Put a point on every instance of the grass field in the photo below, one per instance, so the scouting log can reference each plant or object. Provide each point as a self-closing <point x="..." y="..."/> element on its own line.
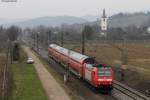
<point x="138" y="54"/>
<point x="27" y="83"/>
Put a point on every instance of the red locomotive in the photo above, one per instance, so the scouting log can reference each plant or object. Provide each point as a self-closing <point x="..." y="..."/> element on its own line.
<point x="85" y="67"/>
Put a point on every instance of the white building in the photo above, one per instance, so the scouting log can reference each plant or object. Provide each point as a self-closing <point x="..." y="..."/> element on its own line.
<point x="148" y="30"/>
<point x="104" y="24"/>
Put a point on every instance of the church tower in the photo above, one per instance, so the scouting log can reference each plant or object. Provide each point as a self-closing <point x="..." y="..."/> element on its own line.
<point x="104" y="20"/>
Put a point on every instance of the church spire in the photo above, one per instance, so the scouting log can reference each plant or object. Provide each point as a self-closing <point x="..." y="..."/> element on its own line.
<point x="104" y="23"/>
<point x="104" y="14"/>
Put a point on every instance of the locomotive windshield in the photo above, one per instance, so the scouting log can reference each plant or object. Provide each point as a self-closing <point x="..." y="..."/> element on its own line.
<point x="102" y="66"/>
<point x="104" y="72"/>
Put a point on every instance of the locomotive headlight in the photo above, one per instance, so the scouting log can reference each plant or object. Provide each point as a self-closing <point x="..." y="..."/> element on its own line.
<point x="108" y="79"/>
<point x="100" y="79"/>
<point x="105" y="80"/>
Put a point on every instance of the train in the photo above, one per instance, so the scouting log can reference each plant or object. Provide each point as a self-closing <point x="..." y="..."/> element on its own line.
<point x="99" y="75"/>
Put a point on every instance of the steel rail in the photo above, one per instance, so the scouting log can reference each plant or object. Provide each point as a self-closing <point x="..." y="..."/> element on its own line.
<point x="135" y="95"/>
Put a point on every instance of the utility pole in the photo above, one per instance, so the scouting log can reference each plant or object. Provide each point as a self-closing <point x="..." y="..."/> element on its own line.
<point x="124" y="58"/>
<point x="62" y="35"/>
<point x="55" y="36"/>
<point x="48" y="37"/>
<point x="34" y="40"/>
<point x="83" y="42"/>
<point x="67" y="74"/>
<point x="62" y="39"/>
<point x="37" y="42"/>
<point x="124" y="52"/>
<point x="11" y="52"/>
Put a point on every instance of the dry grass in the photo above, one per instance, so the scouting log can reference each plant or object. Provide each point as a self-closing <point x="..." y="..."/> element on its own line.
<point x="138" y="54"/>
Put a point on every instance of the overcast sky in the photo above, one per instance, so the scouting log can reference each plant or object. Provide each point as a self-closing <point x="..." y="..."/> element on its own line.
<point x="37" y="8"/>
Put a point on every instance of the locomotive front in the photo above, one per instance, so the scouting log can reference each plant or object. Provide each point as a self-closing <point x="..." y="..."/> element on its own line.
<point x="104" y="77"/>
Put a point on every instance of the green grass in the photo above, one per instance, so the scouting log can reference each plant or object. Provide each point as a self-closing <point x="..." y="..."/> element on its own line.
<point x="27" y="83"/>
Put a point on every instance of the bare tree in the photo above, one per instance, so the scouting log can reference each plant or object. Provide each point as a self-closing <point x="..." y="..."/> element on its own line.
<point x="13" y="33"/>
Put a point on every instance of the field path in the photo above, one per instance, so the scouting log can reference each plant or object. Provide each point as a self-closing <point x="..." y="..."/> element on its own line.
<point x="52" y="88"/>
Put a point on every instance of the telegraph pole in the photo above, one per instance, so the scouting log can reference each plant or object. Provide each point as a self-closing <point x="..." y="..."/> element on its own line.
<point x="55" y="36"/>
<point x="34" y="40"/>
<point x="62" y="34"/>
<point x="83" y="42"/>
<point x="67" y="74"/>
<point x="37" y="41"/>
<point x="62" y="39"/>
<point x="48" y="37"/>
<point x="68" y="64"/>
<point x="124" y="58"/>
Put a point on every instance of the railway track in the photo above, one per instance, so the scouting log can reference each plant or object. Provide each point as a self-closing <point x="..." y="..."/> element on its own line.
<point x="129" y="93"/>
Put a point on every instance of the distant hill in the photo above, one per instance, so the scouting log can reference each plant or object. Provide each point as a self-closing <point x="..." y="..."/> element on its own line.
<point x="91" y="18"/>
<point x="123" y="20"/>
<point x="117" y="20"/>
<point x="49" y="21"/>
<point x="6" y="21"/>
